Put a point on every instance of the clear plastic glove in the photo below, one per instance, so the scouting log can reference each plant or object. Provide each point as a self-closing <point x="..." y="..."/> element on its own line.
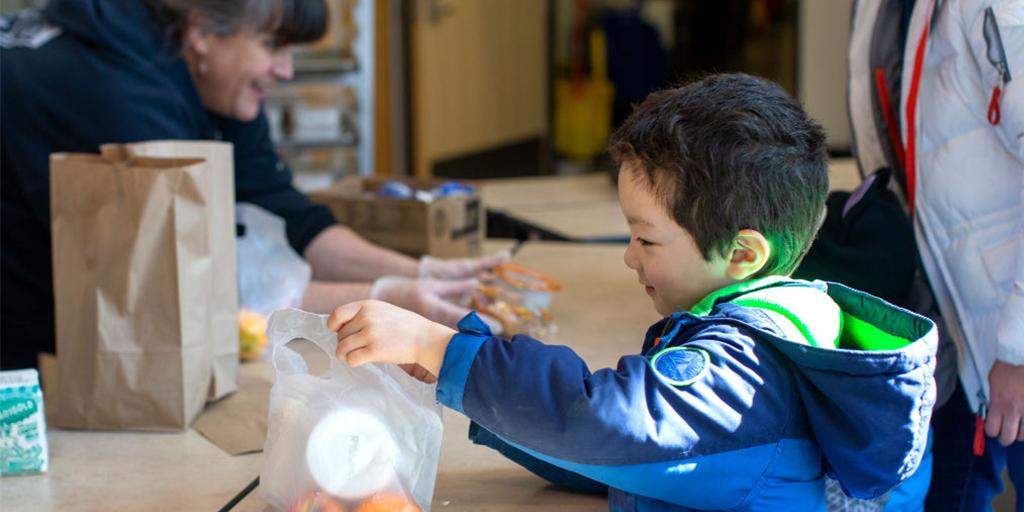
<point x="434" y="299"/>
<point x="460" y="268"/>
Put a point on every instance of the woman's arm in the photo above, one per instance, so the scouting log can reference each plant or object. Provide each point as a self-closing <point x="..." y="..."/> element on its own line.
<point x="339" y="254"/>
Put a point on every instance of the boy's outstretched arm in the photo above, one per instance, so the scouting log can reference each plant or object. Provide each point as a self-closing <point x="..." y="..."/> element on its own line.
<point x="369" y="331"/>
<point x="630" y="427"/>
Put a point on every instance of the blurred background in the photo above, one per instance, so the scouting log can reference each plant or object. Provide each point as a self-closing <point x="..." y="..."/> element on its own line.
<point x="497" y="88"/>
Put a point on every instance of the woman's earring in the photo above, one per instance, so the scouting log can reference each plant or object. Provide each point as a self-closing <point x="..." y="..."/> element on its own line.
<point x="202" y="66"/>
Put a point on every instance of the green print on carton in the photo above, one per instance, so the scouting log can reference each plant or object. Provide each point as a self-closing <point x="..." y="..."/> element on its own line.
<point x="14" y="410"/>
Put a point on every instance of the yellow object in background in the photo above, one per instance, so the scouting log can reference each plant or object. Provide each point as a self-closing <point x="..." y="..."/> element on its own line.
<point x="583" y="106"/>
<point x="252" y="334"/>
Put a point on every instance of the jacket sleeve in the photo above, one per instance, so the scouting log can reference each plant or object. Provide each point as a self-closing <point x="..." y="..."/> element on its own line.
<point x="541" y="468"/>
<point x="633" y="427"/>
<point x="262" y="178"/>
<point x="1001" y="26"/>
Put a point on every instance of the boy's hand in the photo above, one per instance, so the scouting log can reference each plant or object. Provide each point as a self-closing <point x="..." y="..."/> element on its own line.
<point x="371" y="331"/>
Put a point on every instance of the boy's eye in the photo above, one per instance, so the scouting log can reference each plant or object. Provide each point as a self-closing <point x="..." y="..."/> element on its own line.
<point x="644" y="242"/>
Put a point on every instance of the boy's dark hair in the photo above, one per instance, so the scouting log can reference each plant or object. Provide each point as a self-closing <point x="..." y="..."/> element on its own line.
<point x="731" y="152"/>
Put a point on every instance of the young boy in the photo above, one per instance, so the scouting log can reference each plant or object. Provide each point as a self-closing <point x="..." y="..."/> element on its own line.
<point x="753" y="387"/>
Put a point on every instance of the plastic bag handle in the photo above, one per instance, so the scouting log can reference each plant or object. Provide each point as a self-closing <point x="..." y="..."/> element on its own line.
<point x="288" y="324"/>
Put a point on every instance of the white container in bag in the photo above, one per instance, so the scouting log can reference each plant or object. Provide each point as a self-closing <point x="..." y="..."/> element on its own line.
<point x="352" y="433"/>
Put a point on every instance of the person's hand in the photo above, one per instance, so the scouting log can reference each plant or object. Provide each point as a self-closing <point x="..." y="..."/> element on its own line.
<point x="431" y="298"/>
<point x="1006" y="408"/>
<point x="375" y="332"/>
<point x="460" y="268"/>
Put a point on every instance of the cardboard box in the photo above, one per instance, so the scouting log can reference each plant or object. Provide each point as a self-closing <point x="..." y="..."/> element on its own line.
<point x="446" y="227"/>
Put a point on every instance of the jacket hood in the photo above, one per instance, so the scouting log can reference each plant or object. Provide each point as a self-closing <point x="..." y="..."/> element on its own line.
<point x="865" y="368"/>
<point x="124" y="27"/>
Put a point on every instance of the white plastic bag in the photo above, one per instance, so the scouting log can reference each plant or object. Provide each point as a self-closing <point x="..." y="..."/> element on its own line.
<point x="271" y="275"/>
<point x="354" y="434"/>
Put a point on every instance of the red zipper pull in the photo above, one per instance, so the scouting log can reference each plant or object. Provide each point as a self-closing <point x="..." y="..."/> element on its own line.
<point x="993" y="106"/>
<point x="979" y="431"/>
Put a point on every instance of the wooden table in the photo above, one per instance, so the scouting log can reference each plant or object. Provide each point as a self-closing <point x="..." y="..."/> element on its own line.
<point x="582" y="207"/>
<point x="585" y="207"/>
<point x="602" y="312"/>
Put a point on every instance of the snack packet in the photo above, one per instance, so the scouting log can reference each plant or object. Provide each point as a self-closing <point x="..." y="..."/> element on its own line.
<point x="518" y="298"/>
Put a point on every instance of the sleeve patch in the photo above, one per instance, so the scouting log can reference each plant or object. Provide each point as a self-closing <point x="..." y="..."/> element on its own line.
<point x="680" y="366"/>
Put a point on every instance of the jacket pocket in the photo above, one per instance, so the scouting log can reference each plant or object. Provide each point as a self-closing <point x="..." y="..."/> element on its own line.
<point x="999" y="260"/>
<point x="981" y="256"/>
<point x="999" y="45"/>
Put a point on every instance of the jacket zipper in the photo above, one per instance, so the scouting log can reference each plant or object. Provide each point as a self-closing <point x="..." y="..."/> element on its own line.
<point x="996" y="55"/>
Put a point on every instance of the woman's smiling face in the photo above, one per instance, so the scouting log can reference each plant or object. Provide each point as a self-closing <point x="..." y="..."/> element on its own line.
<point x="232" y="72"/>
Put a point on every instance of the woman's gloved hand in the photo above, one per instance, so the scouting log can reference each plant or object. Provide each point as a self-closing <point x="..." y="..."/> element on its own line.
<point x="460" y="268"/>
<point x="435" y="299"/>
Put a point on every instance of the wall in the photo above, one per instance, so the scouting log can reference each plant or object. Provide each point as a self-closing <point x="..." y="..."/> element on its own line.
<point x="822" y="70"/>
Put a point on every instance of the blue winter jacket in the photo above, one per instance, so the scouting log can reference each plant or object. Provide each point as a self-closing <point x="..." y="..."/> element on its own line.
<point x="82" y="73"/>
<point x="746" y="402"/>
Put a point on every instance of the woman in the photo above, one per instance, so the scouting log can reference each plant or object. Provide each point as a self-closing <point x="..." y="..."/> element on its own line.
<point x="81" y="73"/>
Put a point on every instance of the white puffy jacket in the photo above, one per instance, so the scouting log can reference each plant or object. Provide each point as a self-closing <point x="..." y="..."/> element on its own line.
<point x="963" y="129"/>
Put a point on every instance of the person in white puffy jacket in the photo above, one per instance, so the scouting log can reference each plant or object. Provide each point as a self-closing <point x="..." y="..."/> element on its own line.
<point x="963" y="131"/>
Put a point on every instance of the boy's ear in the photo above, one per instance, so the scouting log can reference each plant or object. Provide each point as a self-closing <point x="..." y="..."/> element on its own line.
<point x="748" y="254"/>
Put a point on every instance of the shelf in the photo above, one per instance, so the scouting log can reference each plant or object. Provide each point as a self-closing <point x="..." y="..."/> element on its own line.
<point x="306" y="66"/>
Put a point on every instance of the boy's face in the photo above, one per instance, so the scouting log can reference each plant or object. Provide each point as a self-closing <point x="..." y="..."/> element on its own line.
<point x="666" y="258"/>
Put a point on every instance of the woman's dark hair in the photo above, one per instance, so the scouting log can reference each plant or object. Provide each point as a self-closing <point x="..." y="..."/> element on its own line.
<point x="731" y="152"/>
<point x="291" y="21"/>
<point x="302" y="21"/>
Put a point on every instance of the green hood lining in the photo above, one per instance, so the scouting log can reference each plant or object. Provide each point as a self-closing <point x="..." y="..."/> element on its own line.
<point x="812" y="315"/>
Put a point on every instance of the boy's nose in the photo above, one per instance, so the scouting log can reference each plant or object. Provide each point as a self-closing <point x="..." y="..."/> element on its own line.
<point x="628" y="258"/>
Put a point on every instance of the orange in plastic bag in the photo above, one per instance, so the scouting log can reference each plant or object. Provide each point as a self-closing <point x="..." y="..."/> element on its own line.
<point x="387" y="502"/>
<point x="316" y="502"/>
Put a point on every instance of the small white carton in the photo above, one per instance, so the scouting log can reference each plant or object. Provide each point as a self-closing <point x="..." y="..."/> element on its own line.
<point x="23" y="447"/>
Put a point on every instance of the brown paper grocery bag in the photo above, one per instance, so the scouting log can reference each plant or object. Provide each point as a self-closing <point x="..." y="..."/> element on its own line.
<point x="133" y="287"/>
<point x="221" y="191"/>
